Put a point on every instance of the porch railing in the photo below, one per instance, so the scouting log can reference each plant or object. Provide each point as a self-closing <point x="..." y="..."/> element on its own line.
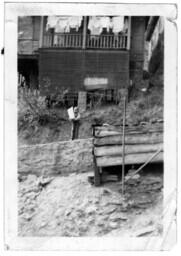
<point x="107" y="41"/>
<point x="62" y="40"/>
<point x="91" y="42"/>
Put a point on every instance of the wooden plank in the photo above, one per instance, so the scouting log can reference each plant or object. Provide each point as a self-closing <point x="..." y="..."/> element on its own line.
<point x="84" y="32"/>
<point x="41" y="32"/>
<point x="129" y="34"/>
<point x="157" y="127"/>
<point x="129" y="159"/>
<point x="150" y="138"/>
<point x="129" y="149"/>
<point x="100" y="134"/>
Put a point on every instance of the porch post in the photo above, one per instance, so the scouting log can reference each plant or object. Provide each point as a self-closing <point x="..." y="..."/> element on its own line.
<point x="129" y="33"/>
<point x="41" y="32"/>
<point x="84" y="32"/>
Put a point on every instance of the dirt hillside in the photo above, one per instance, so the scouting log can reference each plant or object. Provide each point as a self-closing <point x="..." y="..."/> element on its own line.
<point x="71" y="206"/>
<point x="53" y="125"/>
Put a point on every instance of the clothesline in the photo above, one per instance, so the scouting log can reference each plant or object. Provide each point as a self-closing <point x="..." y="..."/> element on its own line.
<point x="96" y="24"/>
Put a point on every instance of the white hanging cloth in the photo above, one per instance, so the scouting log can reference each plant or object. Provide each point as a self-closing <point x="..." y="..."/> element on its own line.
<point x="106" y="23"/>
<point x="95" y="25"/>
<point x="75" y="22"/>
<point x="51" y="22"/>
<point x="125" y="29"/>
<point x="62" y="24"/>
<point x="117" y="24"/>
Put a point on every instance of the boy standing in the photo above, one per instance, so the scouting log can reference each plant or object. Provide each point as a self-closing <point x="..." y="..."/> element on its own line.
<point x="75" y="124"/>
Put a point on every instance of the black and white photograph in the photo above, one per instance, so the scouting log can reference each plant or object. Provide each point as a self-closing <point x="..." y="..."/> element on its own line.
<point x="91" y="126"/>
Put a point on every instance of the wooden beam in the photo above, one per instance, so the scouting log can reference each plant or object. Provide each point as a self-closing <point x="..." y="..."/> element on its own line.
<point x="129" y="33"/>
<point x="84" y="32"/>
<point x="41" y="32"/>
<point x="149" y="138"/>
<point x="129" y="159"/>
<point x="118" y="128"/>
<point x="105" y="133"/>
<point x="129" y="149"/>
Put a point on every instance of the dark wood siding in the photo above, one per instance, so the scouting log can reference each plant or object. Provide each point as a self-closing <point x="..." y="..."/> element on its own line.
<point x="60" y="69"/>
<point x="137" y="47"/>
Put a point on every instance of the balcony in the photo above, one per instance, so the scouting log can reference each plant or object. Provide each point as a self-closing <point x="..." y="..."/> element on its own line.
<point x="77" y="41"/>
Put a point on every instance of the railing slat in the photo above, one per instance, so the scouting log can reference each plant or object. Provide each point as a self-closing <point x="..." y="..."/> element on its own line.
<point x="78" y="41"/>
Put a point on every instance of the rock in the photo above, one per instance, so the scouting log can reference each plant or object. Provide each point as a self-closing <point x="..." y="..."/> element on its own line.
<point x="91" y="209"/>
<point x="58" y="213"/>
<point x="110" y="209"/>
<point x="160" y="121"/>
<point x="153" y="120"/>
<point x="83" y="228"/>
<point x="68" y="212"/>
<point x="116" y="201"/>
<point x="113" y="225"/>
<point x="43" y="181"/>
<point x="27" y="216"/>
<point x="117" y="216"/>
<point x="136" y="177"/>
<point x="32" y="195"/>
<point x="30" y="207"/>
<point x="143" y="123"/>
<point x="107" y="191"/>
<point x="145" y="231"/>
<point x="21" y="177"/>
<point x="31" y="178"/>
<point x="43" y="224"/>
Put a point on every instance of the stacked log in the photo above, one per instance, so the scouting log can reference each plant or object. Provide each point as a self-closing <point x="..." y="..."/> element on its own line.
<point x="140" y="144"/>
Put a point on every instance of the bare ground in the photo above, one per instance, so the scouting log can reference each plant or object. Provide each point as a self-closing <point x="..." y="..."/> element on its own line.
<point x="70" y="206"/>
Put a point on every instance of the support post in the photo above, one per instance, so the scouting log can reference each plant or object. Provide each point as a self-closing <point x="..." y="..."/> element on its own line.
<point x="82" y="101"/>
<point x="123" y="144"/>
<point x="84" y="32"/>
<point x="147" y="162"/>
<point x="129" y="33"/>
<point x="41" y="32"/>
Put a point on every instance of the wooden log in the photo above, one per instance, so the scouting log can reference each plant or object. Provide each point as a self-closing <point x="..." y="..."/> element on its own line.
<point x="110" y="132"/>
<point x="100" y="134"/>
<point x="109" y="127"/>
<point x="129" y="149"/>
<point x="149" y="138"/>
<point x="129" y="159"/>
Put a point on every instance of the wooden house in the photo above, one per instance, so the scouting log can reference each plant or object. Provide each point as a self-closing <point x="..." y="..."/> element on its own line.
<point x="79" y="60"/>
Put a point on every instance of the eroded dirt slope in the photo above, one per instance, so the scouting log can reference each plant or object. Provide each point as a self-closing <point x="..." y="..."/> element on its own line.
<point x="70" y="206"/>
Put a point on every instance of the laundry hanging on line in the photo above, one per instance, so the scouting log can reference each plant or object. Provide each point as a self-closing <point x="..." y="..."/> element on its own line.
<point x="51" y="22"/>
<point x="97" y="23"/>
<point x="117" y="24"/>
<point x="63" y="24"/>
